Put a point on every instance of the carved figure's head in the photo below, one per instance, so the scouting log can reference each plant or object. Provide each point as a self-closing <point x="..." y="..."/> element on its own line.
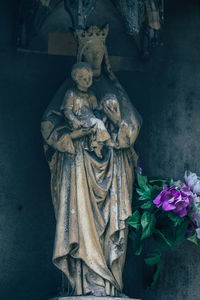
<point x="91" y="47"/>
<point x="82" y="74"/>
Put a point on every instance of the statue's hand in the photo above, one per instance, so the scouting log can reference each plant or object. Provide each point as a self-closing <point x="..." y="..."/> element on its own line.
<point x="80" y="132"/>
<point x="127" y="134"/>
<point x="112" y="110"/>
<point x="77" y="124"/>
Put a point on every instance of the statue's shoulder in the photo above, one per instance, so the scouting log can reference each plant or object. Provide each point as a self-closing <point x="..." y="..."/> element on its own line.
<point x="68" y="99"/>
<point x="71" y="93"/>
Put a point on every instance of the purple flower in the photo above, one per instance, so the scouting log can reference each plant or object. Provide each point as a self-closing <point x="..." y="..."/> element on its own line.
<point x="139" y="166"/>
<point x="176" y="199"/>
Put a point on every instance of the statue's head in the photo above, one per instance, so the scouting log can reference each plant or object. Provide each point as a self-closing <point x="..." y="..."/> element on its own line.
<point x="82" y="75"/>
<point x="91" y="46"/>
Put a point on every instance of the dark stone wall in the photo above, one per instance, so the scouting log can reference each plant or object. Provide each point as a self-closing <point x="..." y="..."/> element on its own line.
<point x="165" y="91"/>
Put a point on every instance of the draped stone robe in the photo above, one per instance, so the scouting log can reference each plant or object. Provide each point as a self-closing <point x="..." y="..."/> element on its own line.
<point x="92" y="201"/>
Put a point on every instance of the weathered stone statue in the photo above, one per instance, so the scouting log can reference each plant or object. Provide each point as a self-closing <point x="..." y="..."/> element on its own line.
<point x="91" y="187"/>
<point x="79" y="107"/>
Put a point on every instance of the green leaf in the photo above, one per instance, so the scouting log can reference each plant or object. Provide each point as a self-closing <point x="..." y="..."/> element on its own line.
<point x="171" y="182"/>
<point x="145" y="220"/>
<point x="181" y="230"/>
<point x="159" y="182"/>
<point x="175" y="219"/>
<point x="145" y="194"/>
<point x="142" y="180"/>
<point x="139" y="250"/>
<point x="147" y="205"/>
<point x="193" y="238"/>
<point x="134" y="221"/>
<point x="140" y="192"/>
<point x="136" y="205"/>
<point x="148" y="222"/>
<point x="155" y="191"/>
<point x="154" y="260"/>
<point x="156" y="188"/>
<point x="161" y="240"/>
<point x="156" y="275"/>
<point x="148" y="188"/>
<point x="145" y="197"/>
<point x="135" y="217"/>
<point x="136" y="243"/>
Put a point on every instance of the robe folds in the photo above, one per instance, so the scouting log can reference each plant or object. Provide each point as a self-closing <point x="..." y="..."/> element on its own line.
<point x="92" y="201"/>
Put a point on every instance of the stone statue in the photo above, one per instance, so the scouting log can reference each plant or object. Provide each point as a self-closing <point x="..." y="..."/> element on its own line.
<point x="79" y="106"/>
<point x="91" y="177"/>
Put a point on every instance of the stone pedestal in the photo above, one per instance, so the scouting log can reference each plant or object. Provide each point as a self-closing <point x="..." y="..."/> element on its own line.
<point x="91" y="298"/>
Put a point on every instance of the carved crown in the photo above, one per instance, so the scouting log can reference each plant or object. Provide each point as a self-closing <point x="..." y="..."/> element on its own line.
<point x="92" y="35"/>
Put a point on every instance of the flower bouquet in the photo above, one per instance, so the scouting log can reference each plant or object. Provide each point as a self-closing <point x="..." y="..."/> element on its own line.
<point x="167" y="212"/>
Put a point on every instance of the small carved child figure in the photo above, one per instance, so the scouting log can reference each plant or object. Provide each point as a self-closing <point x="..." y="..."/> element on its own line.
<point x="79" y="105"/>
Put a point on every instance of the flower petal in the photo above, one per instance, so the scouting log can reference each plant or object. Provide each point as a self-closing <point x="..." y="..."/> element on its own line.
<point x="198" y="233"/>
<point x="167" y="206"/>
<point x="196" y="188"/>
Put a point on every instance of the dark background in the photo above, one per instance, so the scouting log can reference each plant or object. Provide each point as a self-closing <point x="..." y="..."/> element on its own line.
<point x="166" y="92"/>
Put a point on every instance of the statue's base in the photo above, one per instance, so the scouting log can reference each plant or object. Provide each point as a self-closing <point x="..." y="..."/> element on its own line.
<point x="91" y="298"/>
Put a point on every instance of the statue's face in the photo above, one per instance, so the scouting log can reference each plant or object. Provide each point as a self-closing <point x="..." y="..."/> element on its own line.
<point x="83" y="78"/>
<point x="93" y="55"/>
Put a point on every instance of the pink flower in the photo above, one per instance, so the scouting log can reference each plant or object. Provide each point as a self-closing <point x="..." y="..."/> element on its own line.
<point x="195" y="212"/>
<point x="193" y="181"/>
